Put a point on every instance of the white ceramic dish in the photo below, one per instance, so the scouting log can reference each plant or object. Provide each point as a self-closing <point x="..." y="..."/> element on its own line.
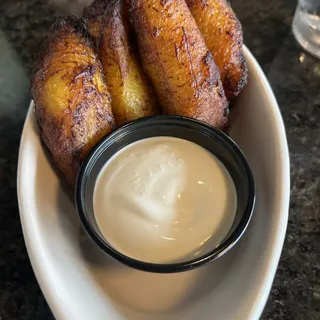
<point x="80" y="282"/>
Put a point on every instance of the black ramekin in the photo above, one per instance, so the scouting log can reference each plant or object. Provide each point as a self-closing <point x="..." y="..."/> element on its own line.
<point x="215" y="141"/>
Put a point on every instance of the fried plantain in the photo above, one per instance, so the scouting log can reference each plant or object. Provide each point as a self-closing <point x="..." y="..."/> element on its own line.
<point x="178" y="61"/>
<point x="131" y="91"/>
<point x="222" y="32"/>
<point x="94" y="15"/>
<point x="73" y="105"/>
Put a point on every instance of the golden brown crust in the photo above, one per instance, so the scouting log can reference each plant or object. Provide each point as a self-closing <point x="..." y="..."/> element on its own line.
<point x="222" y="32"/>
<point x="178" y="62"/>
<point x="94" y="15"/>
<point x="131" y="91"/>
<point x="73" y="106"/>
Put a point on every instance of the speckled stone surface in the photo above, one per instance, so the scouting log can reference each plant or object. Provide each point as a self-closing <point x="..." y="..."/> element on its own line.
<point x="295" y="79"/>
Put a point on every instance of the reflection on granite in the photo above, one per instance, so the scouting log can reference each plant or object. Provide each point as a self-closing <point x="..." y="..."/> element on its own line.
<point x="295" y="79"/>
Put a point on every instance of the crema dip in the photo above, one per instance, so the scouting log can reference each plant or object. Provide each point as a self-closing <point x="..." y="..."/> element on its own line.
<point x="164" y="200"/>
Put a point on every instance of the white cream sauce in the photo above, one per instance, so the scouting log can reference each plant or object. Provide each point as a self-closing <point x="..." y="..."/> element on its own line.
<point x="164" y="200"/>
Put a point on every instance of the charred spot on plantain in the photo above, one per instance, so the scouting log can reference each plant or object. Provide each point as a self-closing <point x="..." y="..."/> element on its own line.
<point x="208" y="58"/>
<point x="155" y="31"/>
<point x="89" y="90"/>
<point x="100" y="114"/>
<point x="39" y="69"/>
<point x="164" y="3"/>
<point x="64" y="23"/>
<point x="209" y="61"/>
<point x="207" y="83"/>
<point x="186" y="44"/>
<point x="89" y="72"/>
<point x="40" y="116"/>
<point x="177" y="50"/>
<point x="221" y="93"/>
<point x="182" y="85"/>
<point x="79" y="112"/>
<point x="156" y="10"/>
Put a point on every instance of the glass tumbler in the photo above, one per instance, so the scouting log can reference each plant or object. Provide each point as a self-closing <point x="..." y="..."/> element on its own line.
<point x="306" y="25"/>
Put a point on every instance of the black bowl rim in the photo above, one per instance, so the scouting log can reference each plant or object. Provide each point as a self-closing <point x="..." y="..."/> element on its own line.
<point x="212" y="255"/>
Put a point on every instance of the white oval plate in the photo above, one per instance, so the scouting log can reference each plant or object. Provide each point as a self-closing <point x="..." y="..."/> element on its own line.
<point x="80" y="282"/>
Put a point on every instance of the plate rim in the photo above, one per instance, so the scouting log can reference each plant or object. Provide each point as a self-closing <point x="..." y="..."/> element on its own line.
<point x="282" y="221"/>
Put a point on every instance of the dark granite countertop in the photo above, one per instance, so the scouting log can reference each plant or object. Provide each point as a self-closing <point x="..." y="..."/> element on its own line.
<point x="295" y="79"/>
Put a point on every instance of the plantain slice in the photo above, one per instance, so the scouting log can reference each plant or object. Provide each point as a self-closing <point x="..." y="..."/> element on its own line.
<point x="94" y="15"/>
<point x="222" y="32"/>
<point x="73" y="105"/>
<point x="176" y="58"/>
<point x="131" y="91"/>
